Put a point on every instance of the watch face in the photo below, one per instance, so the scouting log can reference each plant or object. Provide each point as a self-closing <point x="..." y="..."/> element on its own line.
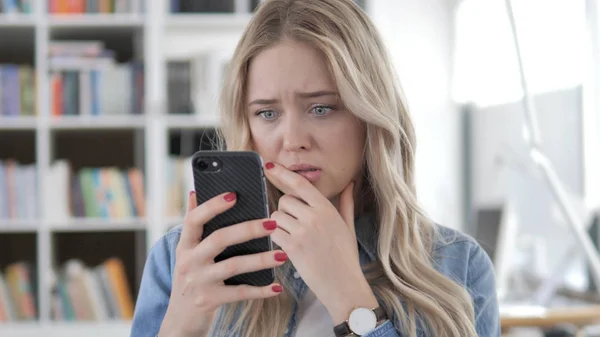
<point x="362" y="320"/>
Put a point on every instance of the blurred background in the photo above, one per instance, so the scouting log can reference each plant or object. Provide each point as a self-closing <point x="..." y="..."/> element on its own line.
<point x="102" y="102"/>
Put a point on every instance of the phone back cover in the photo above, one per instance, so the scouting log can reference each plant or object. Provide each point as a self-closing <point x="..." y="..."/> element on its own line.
<point x="240" y="172"/>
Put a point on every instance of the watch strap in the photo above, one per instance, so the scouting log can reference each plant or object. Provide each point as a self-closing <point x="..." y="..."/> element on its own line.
<point x="380" y="314"/>
<point x="343" y="329"/>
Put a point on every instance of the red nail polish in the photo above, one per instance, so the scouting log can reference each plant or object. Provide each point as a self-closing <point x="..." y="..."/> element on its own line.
<point x="270" y="225"/>
<point x="229" y="197"/>
<point x="269" y="165"/>
<point x="277" y="288"/>
<point x="281" y="257"/>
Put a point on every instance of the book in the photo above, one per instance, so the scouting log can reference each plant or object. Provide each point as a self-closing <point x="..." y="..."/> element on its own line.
<point x="17" y="90"/>
<point x="91" y="293"/>
<point x="94" y="192"/>
<point x="16" y="6"/>
<point x="18" y="190"/>
<point x="72" y="7"/>
<point x="86" y="80"/>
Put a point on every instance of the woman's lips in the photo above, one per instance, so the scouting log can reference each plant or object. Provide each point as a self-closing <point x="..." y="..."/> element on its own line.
<point x="310" y="172"/>
<point x="311" y="175"/>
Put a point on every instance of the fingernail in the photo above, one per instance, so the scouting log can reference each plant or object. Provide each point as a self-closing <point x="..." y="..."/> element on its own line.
<point x="277" y="288"/>
<point x="191" y="193"/>
<point x="229" y="197"/>
<point x="269" y="165"/>
<point x="270" y="225"/>
<point x="281" y="256"/>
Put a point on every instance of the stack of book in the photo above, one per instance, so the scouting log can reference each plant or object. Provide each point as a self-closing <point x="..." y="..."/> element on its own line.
<point x="17" y="90"/>
<point x="98" y="192"/>
<point x="180" y="182"/>
<point x="18" y="292"/>
<point x="93" y="6"/>
<point x="86" y="80"/>
<point x="18" y="191"/>
<point x="100" y="293"/>
<point x="16" y="6"/>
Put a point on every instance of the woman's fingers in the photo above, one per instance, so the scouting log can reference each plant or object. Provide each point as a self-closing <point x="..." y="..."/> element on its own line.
<point x="290" y="182"/>
<point x="199" y="281"/>
<point x="192" y="202"/>
<point x="232" y="294"/>
<point x="211" y="296"/>
<point x="196" y="217"/>
<point x="245" y="264"/>
<point x="224" y="237"/>
<point x="292" y="206"/>
<point x="286" y="222"/>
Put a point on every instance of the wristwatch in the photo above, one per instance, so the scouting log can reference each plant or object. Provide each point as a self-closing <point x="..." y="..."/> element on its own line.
<point x="360" y="322"/>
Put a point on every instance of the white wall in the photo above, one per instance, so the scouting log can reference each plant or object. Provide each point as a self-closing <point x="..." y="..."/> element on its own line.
<point x="419" y="36"/>
<point x="502" y="170"/>
<point x="488" y="76"/>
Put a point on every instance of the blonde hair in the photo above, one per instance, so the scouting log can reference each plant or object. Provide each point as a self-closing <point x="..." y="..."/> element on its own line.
<point x="364" y="77"/>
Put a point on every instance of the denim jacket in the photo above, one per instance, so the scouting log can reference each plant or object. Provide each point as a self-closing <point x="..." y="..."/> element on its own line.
<point x="457" y="256"/>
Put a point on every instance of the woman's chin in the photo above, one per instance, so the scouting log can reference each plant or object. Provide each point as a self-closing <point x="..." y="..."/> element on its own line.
<point x="328" y="192"/>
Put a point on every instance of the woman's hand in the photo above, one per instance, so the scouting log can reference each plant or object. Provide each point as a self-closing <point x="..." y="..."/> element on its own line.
<point x="198" y="287"/>
<point x="321" y="242"/>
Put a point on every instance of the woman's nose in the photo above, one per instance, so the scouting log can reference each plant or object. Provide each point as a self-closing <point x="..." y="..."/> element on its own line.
<point x="296" y="134"/>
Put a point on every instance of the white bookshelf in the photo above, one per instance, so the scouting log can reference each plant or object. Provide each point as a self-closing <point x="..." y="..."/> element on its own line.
<point x="98" y="225"/>
<point x="66" y="21"/>
<point x="17" y="21"/>
<point x="19" y="226"/>
<point x="192" y="122"/>
<point x="98" y="122"/>
<point x="61" y="329"/>
<point x="21" y="123"/>
<point x="157" y="37"/>
<point x="152" y="34"/>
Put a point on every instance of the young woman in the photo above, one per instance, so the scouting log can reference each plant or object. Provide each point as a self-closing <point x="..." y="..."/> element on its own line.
<point x="311" y="90"/>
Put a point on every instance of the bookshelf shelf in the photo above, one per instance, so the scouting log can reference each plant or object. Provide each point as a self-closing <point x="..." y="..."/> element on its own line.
<point x="98" y="225"/>
<point x="98" y="122"/>
<point x="19" y="226"/>
<point x="17" y="20"/>
<point x="18" y="123"/>
<point x="95" y="20"/>
<point x="67" y="329"/>
<point x="198" y="121"/>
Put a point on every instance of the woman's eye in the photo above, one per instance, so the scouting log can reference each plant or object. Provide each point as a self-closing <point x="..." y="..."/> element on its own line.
<point x="268" y="114"/>
<point x="322" y="110"/>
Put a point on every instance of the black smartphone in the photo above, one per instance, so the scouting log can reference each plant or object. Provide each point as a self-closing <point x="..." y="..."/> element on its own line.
<point x="217" y="172"/>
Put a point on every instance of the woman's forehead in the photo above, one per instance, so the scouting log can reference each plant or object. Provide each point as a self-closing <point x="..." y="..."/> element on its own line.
<point x="292" y="67"/>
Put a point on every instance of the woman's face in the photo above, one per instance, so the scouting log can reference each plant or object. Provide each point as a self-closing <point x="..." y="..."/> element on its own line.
<point x="297" y="119"/>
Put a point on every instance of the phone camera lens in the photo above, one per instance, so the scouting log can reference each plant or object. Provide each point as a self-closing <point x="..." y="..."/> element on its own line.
<point x="202" y="165"/>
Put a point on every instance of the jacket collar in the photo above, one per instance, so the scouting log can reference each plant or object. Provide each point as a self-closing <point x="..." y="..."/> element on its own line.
<point x="366" y="234"/>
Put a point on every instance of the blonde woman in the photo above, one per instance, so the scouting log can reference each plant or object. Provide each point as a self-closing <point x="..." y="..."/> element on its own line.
<point x="311" y="90"/>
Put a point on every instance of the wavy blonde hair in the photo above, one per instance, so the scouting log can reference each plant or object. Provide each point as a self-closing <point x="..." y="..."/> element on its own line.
<point x="364" y="76"/>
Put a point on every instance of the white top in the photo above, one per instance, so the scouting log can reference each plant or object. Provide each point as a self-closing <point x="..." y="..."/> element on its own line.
<point x="314" y="319"/>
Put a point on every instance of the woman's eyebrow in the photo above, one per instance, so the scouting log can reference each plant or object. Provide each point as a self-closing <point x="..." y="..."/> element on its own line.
<point x="263" y="101"/>
<point x="312" y="94"/>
